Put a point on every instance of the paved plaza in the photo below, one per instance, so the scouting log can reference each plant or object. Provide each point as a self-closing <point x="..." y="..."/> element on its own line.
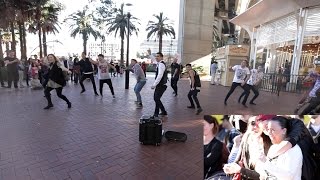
<point x="98" y="138"/>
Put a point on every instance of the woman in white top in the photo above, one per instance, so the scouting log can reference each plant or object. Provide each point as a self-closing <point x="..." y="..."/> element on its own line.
<point x="103" y="73"/>
<point x="241" y="76"/>
<point x="287" y="166"/>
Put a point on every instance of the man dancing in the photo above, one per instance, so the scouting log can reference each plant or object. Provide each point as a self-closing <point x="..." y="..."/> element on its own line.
<point x="241" y="76"/>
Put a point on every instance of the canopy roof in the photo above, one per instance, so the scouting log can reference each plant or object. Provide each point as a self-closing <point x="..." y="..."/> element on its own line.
<point x="267" y="10"/>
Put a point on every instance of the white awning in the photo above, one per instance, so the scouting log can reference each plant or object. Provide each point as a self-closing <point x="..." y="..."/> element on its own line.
<point x="268" y="10"/>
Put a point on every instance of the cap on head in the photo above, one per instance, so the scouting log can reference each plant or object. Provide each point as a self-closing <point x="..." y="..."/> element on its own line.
<point x="264" y="117"/>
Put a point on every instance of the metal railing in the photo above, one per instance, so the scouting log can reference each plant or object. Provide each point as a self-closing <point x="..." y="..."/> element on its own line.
<point x="275" y="83"/>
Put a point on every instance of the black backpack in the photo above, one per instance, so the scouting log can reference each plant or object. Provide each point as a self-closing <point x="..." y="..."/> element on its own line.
<point x="197" y="82"/>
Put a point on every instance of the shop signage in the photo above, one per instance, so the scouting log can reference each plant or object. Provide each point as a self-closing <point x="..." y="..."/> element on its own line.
<point x="232" y="50"/>
<point x="238" y="50"/>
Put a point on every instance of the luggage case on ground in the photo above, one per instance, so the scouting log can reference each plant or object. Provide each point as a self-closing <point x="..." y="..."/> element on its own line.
<point x="175" y="136"/>
<point x="150" y="130"/>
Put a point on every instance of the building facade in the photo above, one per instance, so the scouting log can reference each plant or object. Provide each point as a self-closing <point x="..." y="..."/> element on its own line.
<point x="109" y="50"/>
<point x="169" y="47"/>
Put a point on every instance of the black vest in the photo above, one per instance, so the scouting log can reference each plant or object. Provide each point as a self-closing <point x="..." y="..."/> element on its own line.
<point x="164" y="78"/>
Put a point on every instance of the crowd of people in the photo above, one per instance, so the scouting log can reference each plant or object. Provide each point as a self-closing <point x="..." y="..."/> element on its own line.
<point x="261" y="147"/>
<point x="51" y="72"/>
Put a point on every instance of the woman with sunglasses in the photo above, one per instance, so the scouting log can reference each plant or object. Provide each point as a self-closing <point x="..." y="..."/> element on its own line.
<point x="254" y="145"/>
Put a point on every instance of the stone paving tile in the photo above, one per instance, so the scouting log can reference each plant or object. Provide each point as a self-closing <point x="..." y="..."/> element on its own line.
<point x="95" y="139"/>
<point x="98" y="137"/>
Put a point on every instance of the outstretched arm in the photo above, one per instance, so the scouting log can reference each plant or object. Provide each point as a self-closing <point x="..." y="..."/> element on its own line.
<point x="93" y="62"/>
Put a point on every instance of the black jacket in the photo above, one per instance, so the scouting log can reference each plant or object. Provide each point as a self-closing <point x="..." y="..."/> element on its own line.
<point x="1" y="63"/>
<point x="85" y="65"/>
<point x="299" y="134"/>
<point x="212" y="157"/>
<point x="56" y="75"/>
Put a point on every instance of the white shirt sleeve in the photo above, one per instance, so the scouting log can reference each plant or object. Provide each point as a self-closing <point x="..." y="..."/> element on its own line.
<point x="235" y="67"/>
<point x="285" y="169"/>
<point x="233" y="154"/>
<point x="248" y="71"/>
<point x="161" y="69"/>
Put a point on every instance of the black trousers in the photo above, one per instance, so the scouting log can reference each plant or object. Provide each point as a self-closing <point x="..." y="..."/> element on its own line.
<point x="158" y="92"/>
<point x="76" y="77"/>
<point x="233" y="87"/>
<point x="174" y="84"/>
<point x="27" y="77"/>
<point x="71" y="75"/>
<point x="13" y="75"/>
<point x="192" y="96"/>
<point x="84" y="77"/>
<point x="314" y="102"/>
<point x="1" y="77"/>
<point x="255" y="91"/>
<point x="108" y="81"/>
<point x="59" y="94"/>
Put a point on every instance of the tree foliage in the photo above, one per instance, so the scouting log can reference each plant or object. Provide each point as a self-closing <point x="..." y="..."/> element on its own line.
<point x="159" y="28"/>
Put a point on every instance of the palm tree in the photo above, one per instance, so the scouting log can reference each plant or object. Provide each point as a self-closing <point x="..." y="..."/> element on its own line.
<point x="44" y="20"/>
<point x="14" y="16"/>
<point x="160" y="28"/>
<point x="83" y="23"/>
<point x="49" y="23"/>
<point x="118" y="23"/>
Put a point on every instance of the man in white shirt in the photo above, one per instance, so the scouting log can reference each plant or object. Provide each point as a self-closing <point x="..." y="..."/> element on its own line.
<point x="253" y="84"/>
<point x="160" y="85"/>
<point x="103" y="73"/>
<point x="241" y="76"/>
<point x="213" y="69"/>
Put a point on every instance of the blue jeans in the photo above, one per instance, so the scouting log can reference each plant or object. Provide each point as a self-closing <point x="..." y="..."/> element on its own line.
<point x="137" y="89"/>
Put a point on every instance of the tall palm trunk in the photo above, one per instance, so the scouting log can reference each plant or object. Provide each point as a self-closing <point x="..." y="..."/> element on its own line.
<point x="160" y="43"/>
<point x="21" y="39"/>
<point x="85" y="39"/>
<point x="1" y="50"/>
<point x="24" y="41"/>
<point x="44" y="40"/>
<point x="39" y="29"/>
<point x="13" y="43"/>
<point x="40" y="41"/>
<point x="122" y="49"/>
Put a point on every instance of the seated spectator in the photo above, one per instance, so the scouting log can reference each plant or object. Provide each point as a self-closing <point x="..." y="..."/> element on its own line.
<point x="232" y="132"/>
<point x="253" y="145"/>
<point x="288" y="165"/>
<point x="213" y="148"/>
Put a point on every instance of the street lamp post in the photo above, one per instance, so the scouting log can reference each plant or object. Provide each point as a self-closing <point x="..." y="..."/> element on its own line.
<point x="127" y="61"/>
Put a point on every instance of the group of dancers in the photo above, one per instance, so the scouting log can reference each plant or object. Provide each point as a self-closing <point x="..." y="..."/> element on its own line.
<point x="248" y="80"/>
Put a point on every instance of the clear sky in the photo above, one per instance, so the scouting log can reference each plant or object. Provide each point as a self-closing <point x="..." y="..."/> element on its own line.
<point x="142" y="9"/>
